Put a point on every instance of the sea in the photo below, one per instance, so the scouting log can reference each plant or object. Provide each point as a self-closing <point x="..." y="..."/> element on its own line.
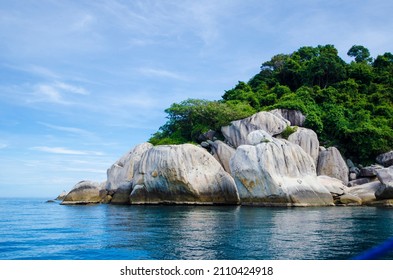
<point x="34" y="229"/>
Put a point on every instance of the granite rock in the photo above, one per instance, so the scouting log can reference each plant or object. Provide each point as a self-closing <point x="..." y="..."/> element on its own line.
<point x="181" y="174"/>
<point x="331" y="163"/>
<point x="86" y="192"/>
<point x="277" y="173"/>
<point x="236" y="133"/>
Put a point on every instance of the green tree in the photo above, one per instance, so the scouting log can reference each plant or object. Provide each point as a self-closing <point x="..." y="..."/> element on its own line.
<point x="192" y="117"/>
<point x="326" y="68"/>
<point x="360" y="53"/>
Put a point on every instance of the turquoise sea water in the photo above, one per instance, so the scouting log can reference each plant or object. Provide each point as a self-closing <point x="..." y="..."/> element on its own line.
<point x="32" y="229"/>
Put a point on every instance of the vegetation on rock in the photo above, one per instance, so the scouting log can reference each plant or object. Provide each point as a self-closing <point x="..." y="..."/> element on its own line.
<point x="349" y="105"/>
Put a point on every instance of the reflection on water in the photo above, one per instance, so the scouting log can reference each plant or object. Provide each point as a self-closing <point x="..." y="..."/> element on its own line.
<point x="35" y="230"/>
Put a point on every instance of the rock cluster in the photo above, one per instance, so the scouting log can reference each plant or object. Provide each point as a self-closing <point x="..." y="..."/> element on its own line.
<point x="258" y="163"/>
<point x="277" y="173"/>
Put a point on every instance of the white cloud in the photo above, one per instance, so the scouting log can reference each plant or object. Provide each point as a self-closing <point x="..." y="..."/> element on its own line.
<point x="64" y="151"/>
<point x="83" y="23"/>
<point x="2" y="146"/>
<point x="47" y="93"/>
<point x="41" y="71"/>
<point x="55" y="92"/>
<point x="73" y="130"/>
<point x="71" y="88"/>
<point x="161" y="73"/>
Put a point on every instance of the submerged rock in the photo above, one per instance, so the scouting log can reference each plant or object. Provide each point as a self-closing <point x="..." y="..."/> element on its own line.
<point x="236" y="133"/>
<point x="277" y="173"/>
<point x="181" y="174"/>
<point x="86" y="192"/>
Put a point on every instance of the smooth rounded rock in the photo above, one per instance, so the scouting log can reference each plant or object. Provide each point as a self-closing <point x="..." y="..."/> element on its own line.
<point x="86" y="192"/>
<point x="120" y="174"/>
<point x="331" y="163"/>
<point x="308" y="140"/>
<point x="277" y="173"/>
<point x="222" y="153"/>
<point x="181" y="174"/>
<point x="236" y="133"/>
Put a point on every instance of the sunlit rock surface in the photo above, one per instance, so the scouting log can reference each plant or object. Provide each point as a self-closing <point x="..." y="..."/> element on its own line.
<point x="181" y="174"/>
<point x="277" y="173"/>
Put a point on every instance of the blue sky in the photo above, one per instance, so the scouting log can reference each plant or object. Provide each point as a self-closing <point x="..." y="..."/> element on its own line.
<point x="82" y="82"/>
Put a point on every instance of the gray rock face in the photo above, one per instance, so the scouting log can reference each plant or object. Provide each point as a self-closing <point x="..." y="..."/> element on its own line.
<point x="120" y="174"/>
<point x="61" y="196"/>
<point x="86" y="192"/>
<point x="358" y="182"/>
<point x="385" y="159"/>
<point x="366" y="192"/>
<point x="277" y="173"/>
<point x="236" y="133"/>
<point x="181" y="174"/>
<point x="370" y="171"/>
<point x="350" y="199"/>
<point x="308" y="140"/>
<point x="257" y="137"/>
<point x="122" y="170"/>
<point x="210" y="135"/>
<point x="331" y="163"/>
<point x="222" y="153"/>
<point x="295" y="117"/>
<point x="385" y="176"/>
<point x="333" y="185"/>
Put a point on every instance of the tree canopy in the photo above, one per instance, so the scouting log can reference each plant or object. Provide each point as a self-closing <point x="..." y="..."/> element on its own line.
<point x="349" y="105"/>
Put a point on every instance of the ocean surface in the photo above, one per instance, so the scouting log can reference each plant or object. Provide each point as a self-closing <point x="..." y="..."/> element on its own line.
<point x="33" y="229"/>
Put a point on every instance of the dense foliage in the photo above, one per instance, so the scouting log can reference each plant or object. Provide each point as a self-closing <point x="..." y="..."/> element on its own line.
<point x="349" y="105"/>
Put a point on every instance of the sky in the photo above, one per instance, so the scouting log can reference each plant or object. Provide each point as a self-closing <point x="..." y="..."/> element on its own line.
<point x="83" y="82"/>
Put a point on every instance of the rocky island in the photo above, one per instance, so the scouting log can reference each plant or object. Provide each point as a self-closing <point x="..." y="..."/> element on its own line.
<point x="255" y="165"/>
<point x="287" y="137"/>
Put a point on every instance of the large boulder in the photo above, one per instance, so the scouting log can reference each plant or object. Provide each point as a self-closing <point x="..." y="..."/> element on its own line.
<point x="308" y="140"/>
<point x="385" y="159"/>
<point x="86" y="192"/>
<point x="385" y="176"/>
<point x="295" y="117"/>
<point x="222" y="153"/>
<point x="366" y="192"/>
<point x="350" y="199"/>
<point x="236" y="133"/>
<point x="335" y="186"/>
<point x="120" y="174"/>
<point x="331" y="163"/>
<point x="181" y="174"/>
<point x="277" y="173"/>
